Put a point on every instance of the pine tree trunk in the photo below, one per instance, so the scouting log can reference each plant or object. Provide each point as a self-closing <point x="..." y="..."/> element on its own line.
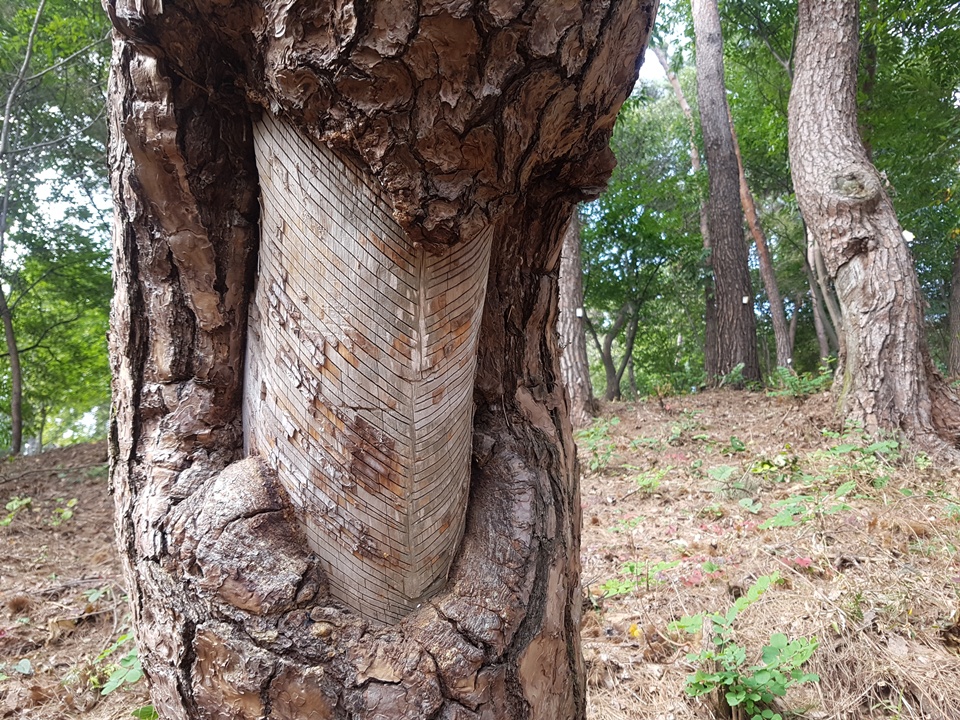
<point x="736" y="324"/>
<point x="709" y="301"/>
<point x="435" y="112"/>
<point x="574" y="365"/>
<point x="888" y="381"/>
<point x="954" y="316"/>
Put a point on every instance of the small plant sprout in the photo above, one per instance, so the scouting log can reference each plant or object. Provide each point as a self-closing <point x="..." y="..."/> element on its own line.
<point x="63" y="511"/>
<point x="597" y="443"/>
<point x="14" y="506"/>
<point x="635" y="575"/>
<point x="722" y="671"/>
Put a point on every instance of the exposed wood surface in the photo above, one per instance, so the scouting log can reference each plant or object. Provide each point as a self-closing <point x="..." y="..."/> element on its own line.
<point x="469" y="116"/>
<point x="358" y="391"/>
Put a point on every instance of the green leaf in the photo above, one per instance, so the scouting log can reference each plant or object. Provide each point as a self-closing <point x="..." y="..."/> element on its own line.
<point x="845" y="489"/>
<point x="147" y="712"/>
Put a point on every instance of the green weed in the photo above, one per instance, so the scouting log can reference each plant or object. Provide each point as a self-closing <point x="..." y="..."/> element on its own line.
<point x="723" y="671"/>
<point x="597" y="443"/>
<point x="635" y="575"/>
<point x="14" y="506"/>
<point x="790" y="384"/>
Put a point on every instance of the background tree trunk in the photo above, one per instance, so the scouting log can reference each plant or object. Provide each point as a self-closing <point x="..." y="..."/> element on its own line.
<point x="954" y="316"/>
<point x="781" y="332"/>
<point x="574" y="365"/>
<point x="16" y="376"/>
<point x="232" y="613"/>
<point x="887" y="378"/>
<point x="709" y="299"/>
<point x="736" y="323"/>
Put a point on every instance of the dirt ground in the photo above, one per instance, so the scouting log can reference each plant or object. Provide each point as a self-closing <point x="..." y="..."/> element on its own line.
<point x="688" y="502"/>
<point x="62" y="601"/>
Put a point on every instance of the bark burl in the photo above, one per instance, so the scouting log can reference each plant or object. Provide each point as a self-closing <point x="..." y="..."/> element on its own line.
<point x="886" y="377"/>
<point x="474" y="119"/>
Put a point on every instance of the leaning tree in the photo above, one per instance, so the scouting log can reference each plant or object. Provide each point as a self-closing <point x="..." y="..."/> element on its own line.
<point x="343" y="469"/>
<point x="886" y="377"/>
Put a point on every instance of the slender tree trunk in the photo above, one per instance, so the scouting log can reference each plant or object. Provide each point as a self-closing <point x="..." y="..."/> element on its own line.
<point x="954" y="316"/>
<point x="611" y="372"/>
<point x="826" y="335"/>
<point x="6" y="164"/>
<point x="438" y="141"/>
<point x="797" y="305"/>
<point x="827" y="294"/>
<point x="574" y="364"/>
<point x="16" y="377"/>
<point x="887" y="378"/>
<point x="736" y="322"/>
<point x="781" y="332"/>
<point x="710" y="309"/>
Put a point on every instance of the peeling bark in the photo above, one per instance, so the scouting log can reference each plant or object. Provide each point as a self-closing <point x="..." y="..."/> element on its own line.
<point x="442" y="106"/>
<point x="887" y="380"/>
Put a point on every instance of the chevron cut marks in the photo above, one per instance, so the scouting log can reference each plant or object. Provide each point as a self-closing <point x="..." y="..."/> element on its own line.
<point x="358" y="386"/>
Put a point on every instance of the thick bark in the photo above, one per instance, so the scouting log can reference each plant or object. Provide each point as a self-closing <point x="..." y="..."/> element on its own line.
<point x="736" y="323"/>
<point x="437" y="106"/>
<point x="781" y="332"/>
<point x="574" y="365"/>
<point x="710" y="309"/>
<point x="887" y="378"/>
<point x="954" y="316"/>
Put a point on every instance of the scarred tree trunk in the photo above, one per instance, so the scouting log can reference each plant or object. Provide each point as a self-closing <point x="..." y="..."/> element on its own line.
<point x="574" y="365"/>
<point x="736" y="323"/>
<point x="310" y="186"/>
<point x="887" y="378"/>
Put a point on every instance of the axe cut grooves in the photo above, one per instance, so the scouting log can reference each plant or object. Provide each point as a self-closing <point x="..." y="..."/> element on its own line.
<point x="359" y="372"/>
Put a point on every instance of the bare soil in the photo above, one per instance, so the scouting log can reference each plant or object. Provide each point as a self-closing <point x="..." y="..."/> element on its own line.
<point x="62" y="601"/>
<point x="864" y="549"/>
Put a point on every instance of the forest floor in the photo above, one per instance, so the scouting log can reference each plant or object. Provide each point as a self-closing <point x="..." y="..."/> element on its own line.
<point x="688" y="504"/>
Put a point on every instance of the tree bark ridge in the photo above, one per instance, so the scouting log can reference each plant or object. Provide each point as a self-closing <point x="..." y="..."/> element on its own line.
<point x="887" y="380"/>
<point x="438" y="104"/>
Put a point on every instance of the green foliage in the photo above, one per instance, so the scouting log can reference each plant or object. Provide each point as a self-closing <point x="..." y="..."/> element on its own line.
<point x="641" y="249"/>
<point x="635" y="575"/>
<point x="14" y="506"/>
<point x="54" y="242"/>
<point x="723" y="669"/>
<point x="860" y="455"/>
<point x="124" y="671"/>
<point x="649" y="480"/>
<point x="597" y="443"/>
<point x="799" y="509"/>
<point x="63" y="511"/>
<point x="800" y="385"/>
